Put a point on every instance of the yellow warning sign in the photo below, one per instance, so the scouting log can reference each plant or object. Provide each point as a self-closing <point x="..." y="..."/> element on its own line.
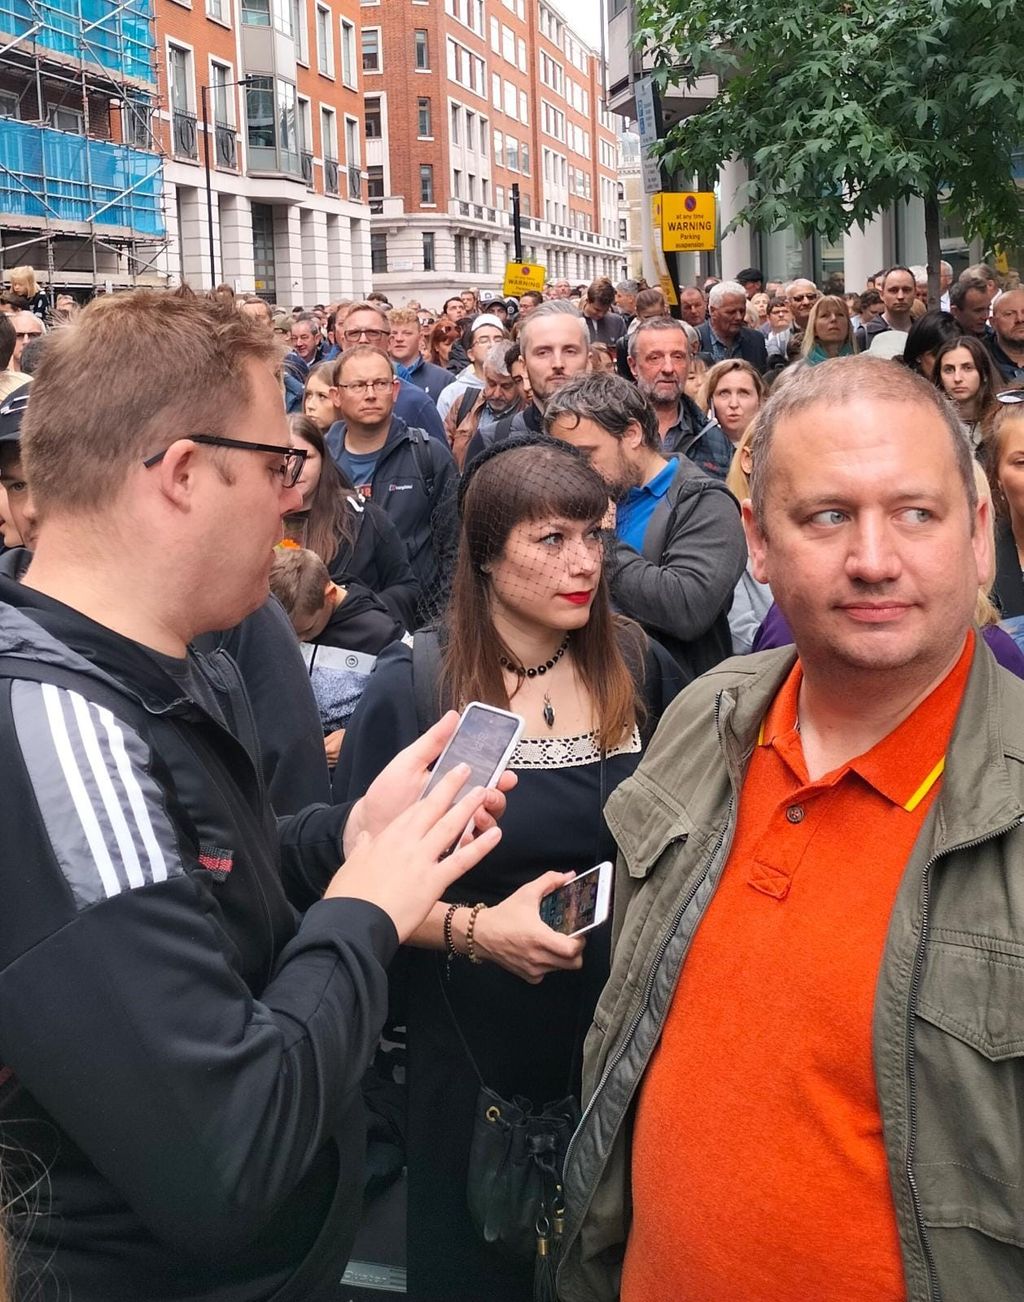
<point x="658" y="254"/>
<point x="687" y="222"/>
<point x="521" y="276"/>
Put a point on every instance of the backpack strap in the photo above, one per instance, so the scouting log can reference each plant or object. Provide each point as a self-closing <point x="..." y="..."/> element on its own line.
<point x="681" y="491"/>
<point x="423" y="459"/>
<point x="466" y="404"/>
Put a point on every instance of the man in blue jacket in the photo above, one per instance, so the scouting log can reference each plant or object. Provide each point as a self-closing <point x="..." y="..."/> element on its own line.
<point x="366" y="323"/>
<point x="179" y="1095"/>
<point x="404" y="469"/>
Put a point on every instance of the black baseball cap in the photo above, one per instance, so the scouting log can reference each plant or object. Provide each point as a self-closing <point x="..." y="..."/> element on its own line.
<point x="12" y="411"/>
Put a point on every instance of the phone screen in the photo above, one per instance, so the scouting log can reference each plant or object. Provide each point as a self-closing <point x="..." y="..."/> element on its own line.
<point x="481" y="741"/>
<point x="573" y="906"/>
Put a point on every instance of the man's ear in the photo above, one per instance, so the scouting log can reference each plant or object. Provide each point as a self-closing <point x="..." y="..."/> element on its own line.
<point x="757" y="543"/>
<point x="176" y="472"/>
<point x="633" y="436"/>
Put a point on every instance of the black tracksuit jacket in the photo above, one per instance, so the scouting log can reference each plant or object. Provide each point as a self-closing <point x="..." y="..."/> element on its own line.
<point x="181" y="1051"/>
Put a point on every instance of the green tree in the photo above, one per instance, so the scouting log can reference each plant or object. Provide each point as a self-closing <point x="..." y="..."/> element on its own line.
<point x="842" y="107"/>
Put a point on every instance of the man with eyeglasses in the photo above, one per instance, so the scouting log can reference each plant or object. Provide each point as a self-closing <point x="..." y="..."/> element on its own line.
<point x="801" y="296"/>
<point x="26" y="326"/>
<point x="404" y="469"/>
<point x="366" y="323"/>
<point x="182" y="1048"/>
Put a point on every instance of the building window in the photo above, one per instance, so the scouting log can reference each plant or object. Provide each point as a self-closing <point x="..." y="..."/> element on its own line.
<point x="271" y="110"/>
<point x="371" y="49"/>
<point x="378" y="252"/>
<point x="460" y="252"/>
<point x="428" y="251"/>
<point x="348" y="54"/>
<point x="470" y="130"/>
<point x="215" y="9"/>
<point x="424" y="125"/>
<point x="180" y="61"/>
<point x="374" y="124"/>
<point x="328" y="134"/>
<point x="375" y="182"/>
<point x="457" y="183"/>
<point x="301" y="31"/>
<point x="422" y="50"/>
<point x="474" y="254"/>
<point x="266" y="13"/>
<point x="9" y="104"/>
<point x="65" y="119"/>
<point x="456" y="118"/>
<point x="220" y="99"/>
<point x="426" y="183"/>
<point x="324" y="44"/>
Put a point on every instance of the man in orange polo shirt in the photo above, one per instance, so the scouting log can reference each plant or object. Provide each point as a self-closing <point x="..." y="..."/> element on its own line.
<point x="805" y="1074"/>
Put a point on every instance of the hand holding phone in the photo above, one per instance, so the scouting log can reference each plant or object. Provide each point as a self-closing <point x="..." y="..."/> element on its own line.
<point x="579" y="905"/>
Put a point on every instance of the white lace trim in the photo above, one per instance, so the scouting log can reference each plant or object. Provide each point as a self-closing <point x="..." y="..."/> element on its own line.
<point x="567" y="752"/>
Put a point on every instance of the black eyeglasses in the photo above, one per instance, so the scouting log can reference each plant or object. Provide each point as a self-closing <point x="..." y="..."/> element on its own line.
<point x="290" y="470"/>
<point x="352" y="336"/>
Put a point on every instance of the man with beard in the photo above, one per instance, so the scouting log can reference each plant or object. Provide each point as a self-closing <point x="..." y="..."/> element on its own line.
<point x="678" y="548"/>
<point x="659" y="357"/>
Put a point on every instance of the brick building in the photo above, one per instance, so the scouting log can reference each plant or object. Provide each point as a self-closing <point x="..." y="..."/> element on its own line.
<point x="464" y="99"/>
<point x="289" y="209"/>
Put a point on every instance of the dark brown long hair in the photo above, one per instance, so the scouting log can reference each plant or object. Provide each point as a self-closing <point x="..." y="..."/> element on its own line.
<point x="991" y="380"/>
<point x="531" y="482"/>
<point x="330" y="517"/>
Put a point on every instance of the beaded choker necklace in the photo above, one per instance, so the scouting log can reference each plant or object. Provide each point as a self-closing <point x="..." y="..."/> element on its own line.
<point x="537" y="670"/>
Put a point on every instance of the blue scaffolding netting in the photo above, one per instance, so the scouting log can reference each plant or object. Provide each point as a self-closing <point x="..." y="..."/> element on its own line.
<point x="63" y="177"/>
<point x="118" y="38"/>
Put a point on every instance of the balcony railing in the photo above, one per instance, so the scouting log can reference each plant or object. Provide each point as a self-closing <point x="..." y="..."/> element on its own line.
<point x="377" y="206"/>
<point x="226" y="146"/>
<point x="184" y="134"/>
<point x="307" y="168"/>
<point x="116" y="37"/>
<point x="355" y="183"/>
<point x="331" y="185"/>
<point x="43" y="174"/>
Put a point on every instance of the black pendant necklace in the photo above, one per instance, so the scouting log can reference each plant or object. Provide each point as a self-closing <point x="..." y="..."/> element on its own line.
<point x="535" y="672"/>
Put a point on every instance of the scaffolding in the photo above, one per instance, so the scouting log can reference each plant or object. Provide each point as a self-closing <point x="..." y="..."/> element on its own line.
<point x="70" y="187"/>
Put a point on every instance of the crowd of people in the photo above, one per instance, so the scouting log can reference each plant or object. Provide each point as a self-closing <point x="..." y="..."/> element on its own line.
<point x="248" y="977"/>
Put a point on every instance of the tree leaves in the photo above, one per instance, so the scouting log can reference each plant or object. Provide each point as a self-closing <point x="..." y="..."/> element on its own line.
<point x="842" y="107"/>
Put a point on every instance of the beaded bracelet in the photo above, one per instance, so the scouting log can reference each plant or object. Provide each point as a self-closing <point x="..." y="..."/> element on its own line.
<point x="471" y="953"/>
<point x="450" y="952"/>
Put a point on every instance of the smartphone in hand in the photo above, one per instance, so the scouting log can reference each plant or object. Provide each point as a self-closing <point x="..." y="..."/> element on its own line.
<point x="485" y="740"/>
<point x="579" y="905"/>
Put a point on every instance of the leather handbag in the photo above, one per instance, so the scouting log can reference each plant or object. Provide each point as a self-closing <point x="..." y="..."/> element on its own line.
<point x="514" y="1180"/>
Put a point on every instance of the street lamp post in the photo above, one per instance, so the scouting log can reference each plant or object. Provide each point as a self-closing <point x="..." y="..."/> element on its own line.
<point x="203" y="92"/>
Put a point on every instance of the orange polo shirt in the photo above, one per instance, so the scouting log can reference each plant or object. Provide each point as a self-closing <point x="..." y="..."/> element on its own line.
<point x="759" y="1170"/>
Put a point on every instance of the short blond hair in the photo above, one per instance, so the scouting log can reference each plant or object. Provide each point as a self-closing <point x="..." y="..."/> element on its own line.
<point x="403" y="316"/>
<point x="97" y="411"/>
<point x="27" y="275"/>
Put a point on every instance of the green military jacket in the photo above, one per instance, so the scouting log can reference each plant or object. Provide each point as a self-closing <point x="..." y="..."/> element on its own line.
<point x="948" y="1030"/>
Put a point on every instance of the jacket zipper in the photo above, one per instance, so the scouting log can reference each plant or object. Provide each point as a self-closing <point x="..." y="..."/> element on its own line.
<point x="638" y="1016"/>
<point x="934" y="1293"/>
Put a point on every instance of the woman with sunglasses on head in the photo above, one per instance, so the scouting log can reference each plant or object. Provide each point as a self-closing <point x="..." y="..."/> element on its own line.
<point x="965" y="372"/>
<point x="529" y="628"/>
<point x="354" y="538"/>
<point x="442" y="339"/>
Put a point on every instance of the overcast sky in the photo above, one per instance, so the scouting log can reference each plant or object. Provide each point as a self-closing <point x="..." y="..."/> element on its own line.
<point x="585" y="19"/>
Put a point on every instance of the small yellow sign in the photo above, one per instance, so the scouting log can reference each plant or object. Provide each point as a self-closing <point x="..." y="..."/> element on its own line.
<point x="664" y="279"/>
<point x="687" y="222"/>
<point x="521" y="276"/>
